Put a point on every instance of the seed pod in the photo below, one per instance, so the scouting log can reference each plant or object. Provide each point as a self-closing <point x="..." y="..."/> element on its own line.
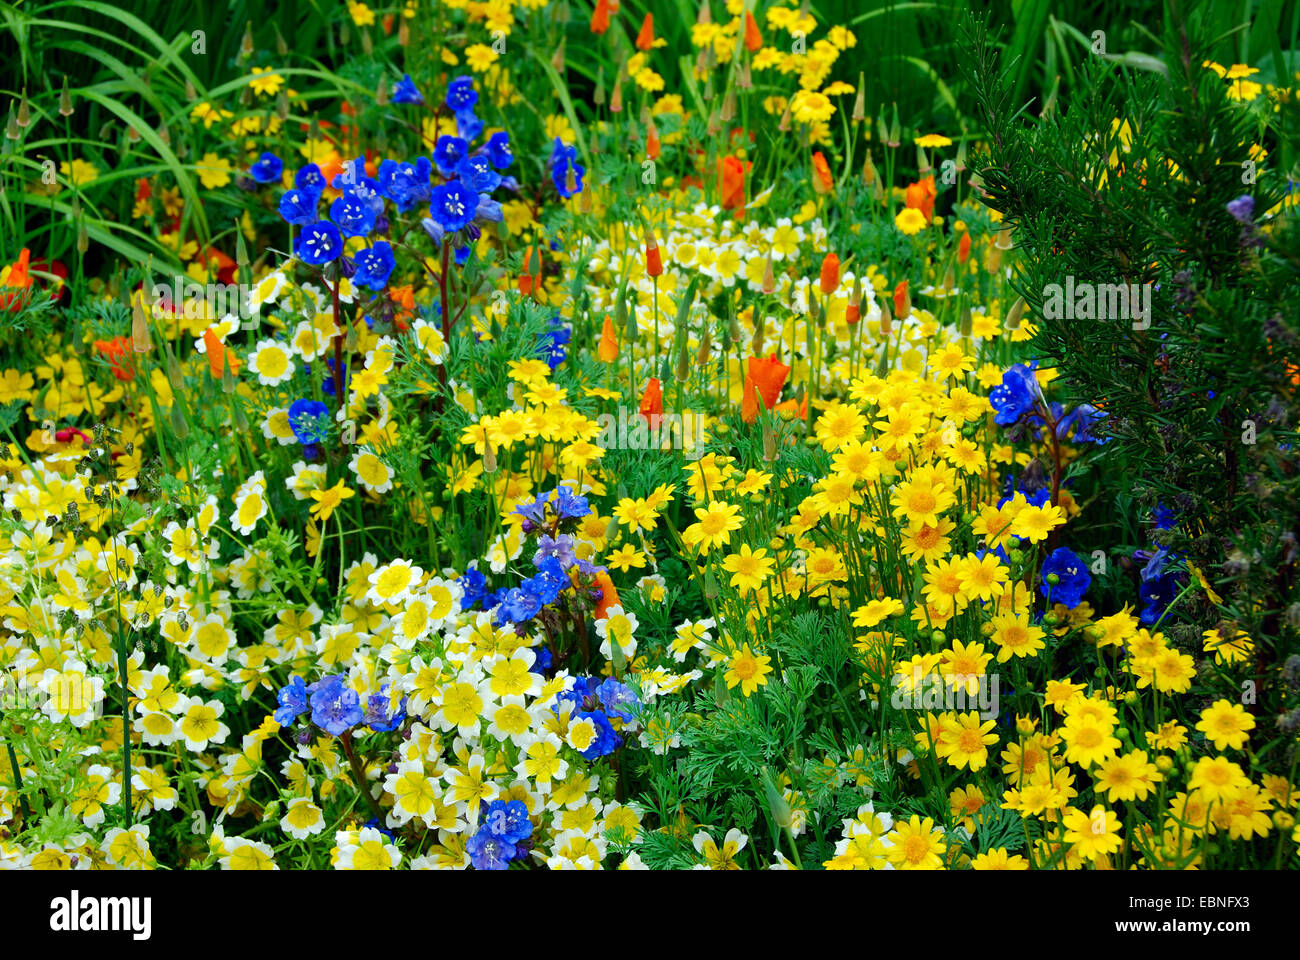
<point x="706" y="345"/>
<point x="140" y="340"/>
<point x="769" y="278"/>
<point x="1015" y="313"/>
<point x="860" y="103"/>
<point x="24" y="118"/>
<point x="489" y="459"/>
<point x="886" y="318"/>
<point x="557" y="61"/>
<point x="65" y="100"/>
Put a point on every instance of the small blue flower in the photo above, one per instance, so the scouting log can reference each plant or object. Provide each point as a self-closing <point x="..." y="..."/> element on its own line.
<point x="508" y="820"/>
<point x="460" y="94"/>
<point x="354" y="217"/>
<point x="318" y="243"/>
<point x="489" y="211"/>
<point x="310" y="179"/>
<point x="476" y="170"/>
<point x="406" y="184"/>
<point x="448" y="152"/>
<point x="618" y="699"/>
<point x="404" y="91"/>
<point x="498" y="150"/>
<point x="374" y="266"/>
<point x="292" y="698"/>
<point x="1072" y="574"/>
<point x="468" y="125"/>
<point x="1015" y="396"/>
<point x="335" y="707"/>
<point x="474" y="587"/>
<point x="487" y="851"/>
<point x="298" y="206"/>
<point x="268" y="169"/>
<point x="519" y="606"/>
<point x="309" y="420"/>
<point x="453" y="205"/>
<point x="568" y="505"/>
<point x="381" y="715"/>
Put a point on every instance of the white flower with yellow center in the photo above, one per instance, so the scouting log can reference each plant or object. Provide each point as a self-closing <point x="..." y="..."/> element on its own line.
<point x="617" y="627"/>
<point x="373" y="473"/>
<point x="271" y="362"/>
<point x="393" y="582"/>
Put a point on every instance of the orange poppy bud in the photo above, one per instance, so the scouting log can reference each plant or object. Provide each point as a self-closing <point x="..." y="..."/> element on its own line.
<point x="600" y="17"/>
<point x="608" y="350"/>
<point x="654" y="262"/>
<point x="753" y="39"/>
<point x="749" y="403"/>
<point x="652" y="401"/>
<point x="652" y="141"/>
<point x="646" y="38"/>
<point x="963" y="247"/>
<point x="902" y="301"/>
<point x="830" y="276"/>
<point x="822" y="182"/>
<point x="16" y="277"/>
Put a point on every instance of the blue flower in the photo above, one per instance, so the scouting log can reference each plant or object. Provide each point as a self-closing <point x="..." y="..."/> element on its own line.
<point x="448" y="152"/>
<point x="468" y="125"/>
<point x="268" y="169"/>
<point x="404" y="91"/>
<point x="519" y="606"/>
<point x="310" y="179"/>
<point x="335" y="708"/>
<point x="568" y="505"/>
<point x="476" y="170"/>
<point x="406" y="184"/>
<point x="318" y="243"/>
<point x="298" y="206"/>
<point x="377" y="714"/>
<point x="487" y="851"/>
<point x="498" y="150"/>
<point x="453" y="205"/>
<point x="508" y="820"/>
<point x="327" y="384"/>
<point x="374" y="266"/>
<point x="549" y="581"/>
<point x="618" y="699"/>
<point x="292" y="698"/>
<point x="309" y="420"/>
<point x="474" y="587"/>
<point x="606" y="741"/>
<point x="560" y="175"/>
<point x="1242" y="209"/>
<point x="1165" y="518"/>
<point x="1072" y="574"/>
<point x="1015" y="396"/>
<point x="354" y="217"/>
<point x="460" y="94"/>
<point x="489" y="211"/>
<point x="1082" y="419"/>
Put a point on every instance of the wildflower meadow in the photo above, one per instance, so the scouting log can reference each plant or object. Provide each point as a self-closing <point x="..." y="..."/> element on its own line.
<point x="495" y="435"/>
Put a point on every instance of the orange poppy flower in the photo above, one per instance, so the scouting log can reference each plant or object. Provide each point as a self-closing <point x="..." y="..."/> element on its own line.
<point x="652" y="141"/>
<point x="902" y="301"/>
<point x="16" y="277"/>
<point x="769" y="377"/>
<point x="608" y="595"/>
<point x="753" y="39"/>
<point x="731" y="183"/>
<point x="963" y="247"/>
<point x="652" y="402"/>
<point x="218" y="356"/>
<point x="921" y="195"/>
<point x="117" y="352"/>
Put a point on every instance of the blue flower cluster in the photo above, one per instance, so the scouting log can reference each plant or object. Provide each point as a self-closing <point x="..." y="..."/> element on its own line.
<point x="465" y="200"/>
<point x="1072" y="576"/>
<point x="598" y="699"/>
<point x="359" y="210"/>
<point x="555" y="339"/>
<point x="563" y="162"/>
<point x="335" y="707"/>
<point x="503" y="829"/>
<point x="310" y="422"/>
